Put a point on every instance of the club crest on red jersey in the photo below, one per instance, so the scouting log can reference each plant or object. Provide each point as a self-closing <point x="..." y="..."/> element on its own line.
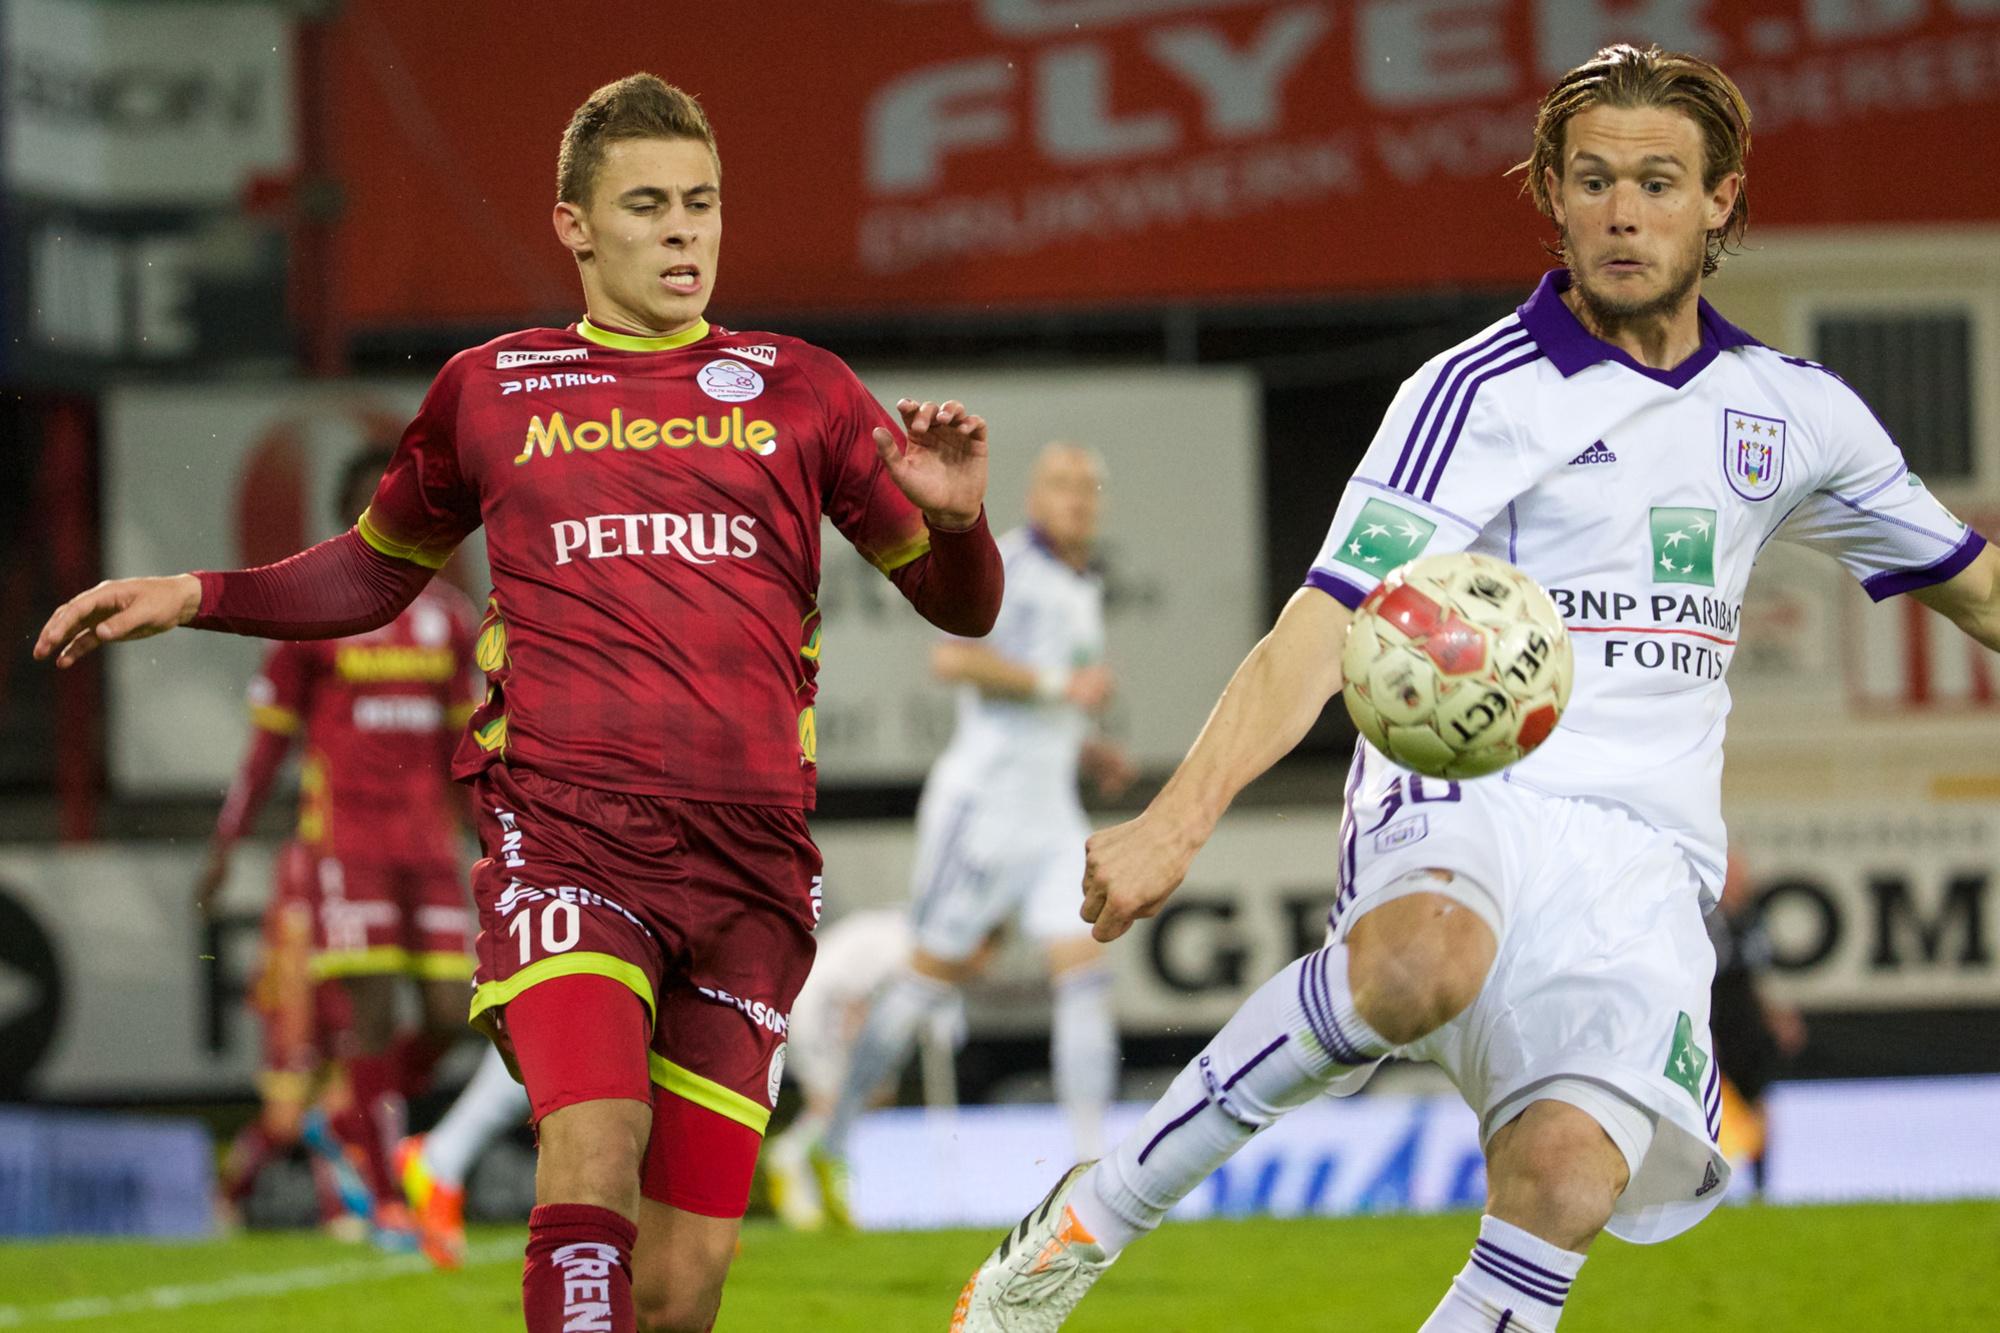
<point x="729" y="381"/>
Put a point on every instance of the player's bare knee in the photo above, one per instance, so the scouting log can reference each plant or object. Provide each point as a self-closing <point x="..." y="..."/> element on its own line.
<point x="1553" y="1171"/>
<point x="591" y="1153"/>
<point x="1416" y="963"/>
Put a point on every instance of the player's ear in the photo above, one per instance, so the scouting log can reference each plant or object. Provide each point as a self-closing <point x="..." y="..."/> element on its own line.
<point x="1552" y="187"/>
<point x="1722" y="199"/>
<point x="573" y="228"/>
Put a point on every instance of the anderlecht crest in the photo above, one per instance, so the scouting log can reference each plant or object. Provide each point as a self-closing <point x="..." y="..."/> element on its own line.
<point x="1753" y="453"/>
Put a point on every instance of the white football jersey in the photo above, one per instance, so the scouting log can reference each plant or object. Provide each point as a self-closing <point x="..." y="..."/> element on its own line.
<point x="1024" y="750"/>
<point x="1639" y="498"/>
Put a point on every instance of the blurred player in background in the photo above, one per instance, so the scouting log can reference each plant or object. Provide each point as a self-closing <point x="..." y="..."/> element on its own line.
<point x="377" y="714"/>
<point x="1536" y="934"/>
<point x="432" y="1167"/>
<point x="1000" y="826"/>
<point x="1756" y="1035"/>
<point x="651" y="488"/>
<point x="301" y="1020"/>
<point x="858" y="956"/>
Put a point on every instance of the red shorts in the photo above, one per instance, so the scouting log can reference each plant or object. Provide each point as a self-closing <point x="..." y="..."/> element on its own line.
<point x="704" y="910"/>
<point x="404" y="916"/>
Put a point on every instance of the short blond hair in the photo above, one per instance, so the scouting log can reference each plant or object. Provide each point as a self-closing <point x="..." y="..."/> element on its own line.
<point x="638" y="106"/>
<point x="1629" y="76"/>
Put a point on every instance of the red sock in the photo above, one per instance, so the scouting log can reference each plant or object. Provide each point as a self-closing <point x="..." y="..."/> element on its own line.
<point x="416" y="1055"/>
<point x="373" y="1119"/>
<point x="247" y="1154"/>
<point x="578" y="1275"/>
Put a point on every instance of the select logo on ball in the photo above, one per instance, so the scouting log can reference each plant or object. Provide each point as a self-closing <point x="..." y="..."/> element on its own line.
<point x="1456" y="666"/>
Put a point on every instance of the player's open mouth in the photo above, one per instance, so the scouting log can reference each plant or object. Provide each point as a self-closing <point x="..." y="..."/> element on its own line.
<point x="682" y="278"/>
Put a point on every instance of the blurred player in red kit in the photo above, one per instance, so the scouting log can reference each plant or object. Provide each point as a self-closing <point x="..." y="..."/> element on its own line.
<point x="651" y="487"/>
<point x="378" y="715"/>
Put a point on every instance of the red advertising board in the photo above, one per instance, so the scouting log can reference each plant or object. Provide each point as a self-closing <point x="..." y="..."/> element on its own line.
<point x="968" y="154"/>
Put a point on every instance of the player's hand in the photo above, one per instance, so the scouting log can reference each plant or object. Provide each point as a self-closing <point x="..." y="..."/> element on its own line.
<point x="208" y="884"/>
<point x="1129" y="871"/>
<point x="940" y="463"/>
<point x="1090" y="688"/>
<point x="115" y="611"/>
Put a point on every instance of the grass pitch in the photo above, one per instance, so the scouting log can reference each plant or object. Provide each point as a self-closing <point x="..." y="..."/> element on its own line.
<point x="1909" y="1268"/>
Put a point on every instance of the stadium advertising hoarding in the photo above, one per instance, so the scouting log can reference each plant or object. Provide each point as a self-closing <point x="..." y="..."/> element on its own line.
<point x="986" y="153"/>
<point x="131" y="136"/>
<point x="1397" y="1153"/>
<point x="206" y="477"/>
<point x="105" y="991"/>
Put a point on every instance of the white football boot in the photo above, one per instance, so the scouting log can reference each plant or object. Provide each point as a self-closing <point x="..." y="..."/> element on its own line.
<point x="1040" y="1271"/>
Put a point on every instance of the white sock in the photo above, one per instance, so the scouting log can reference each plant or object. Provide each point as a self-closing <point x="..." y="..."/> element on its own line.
<point x="800" y="1135"/>
<point x="1515" y="1282"/>
<point x="882" y="1046"/>
<point x="1279" y="1051"/>
<point x="1083" y="1054"/>
<point x="490" y="1104"/>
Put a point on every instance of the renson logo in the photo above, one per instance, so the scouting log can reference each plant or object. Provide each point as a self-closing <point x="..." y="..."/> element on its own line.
<point x="699" y="539"/>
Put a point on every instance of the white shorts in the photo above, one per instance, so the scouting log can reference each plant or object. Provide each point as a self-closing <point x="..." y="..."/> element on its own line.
<point x="1601" y="980"/>
<point x="980" y="862"/>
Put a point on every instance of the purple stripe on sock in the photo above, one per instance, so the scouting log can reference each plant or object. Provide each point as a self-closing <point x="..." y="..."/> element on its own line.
<point x="1255" y="1060"/>
<point x="1530" y="1290"/>
<point x="1506" y="1318"/>
<point x="1312" y="999"/>
<point x="1445" y="372"/>
<point x="1468" y="372"/>
<point x="1465" y="408"/>
<point x="1337" y="1043"/>
<point x="1172" y="1125"/>
<point x="1484" y="1244"/>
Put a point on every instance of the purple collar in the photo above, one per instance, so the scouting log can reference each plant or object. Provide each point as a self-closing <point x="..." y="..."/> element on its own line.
<point x="1570" y="347"/>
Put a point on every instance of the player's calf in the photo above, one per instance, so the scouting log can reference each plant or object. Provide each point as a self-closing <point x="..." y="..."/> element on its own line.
<point x="680" y="1265"/>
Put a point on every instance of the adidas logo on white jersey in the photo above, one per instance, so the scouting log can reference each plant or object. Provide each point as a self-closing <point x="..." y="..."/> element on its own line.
<point x="1596" y="453"/>
<point x="763" y="353"/>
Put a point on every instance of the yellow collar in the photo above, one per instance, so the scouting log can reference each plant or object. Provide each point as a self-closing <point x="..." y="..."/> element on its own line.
<point x="626" y="342"/>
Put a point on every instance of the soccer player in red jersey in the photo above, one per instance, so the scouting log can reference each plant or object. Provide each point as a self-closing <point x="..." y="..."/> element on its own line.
<point x="378" y="714"/>
<point x="651" y="487"/>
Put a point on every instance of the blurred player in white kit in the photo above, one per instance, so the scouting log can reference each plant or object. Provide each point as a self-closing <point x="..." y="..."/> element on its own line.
<point x="858" y="956"/>
<point x="1000" y="826"/>
<point x="1537" y="934"/>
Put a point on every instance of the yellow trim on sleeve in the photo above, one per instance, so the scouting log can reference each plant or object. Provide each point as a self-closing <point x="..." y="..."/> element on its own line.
<point x="725" y="1102"/>
<point x="385" y="958"/>
<point x="493" y="994"/>
<point x="891" y="561"/>
<point x="271" y="718"/>
<point x="396" y="550"/>
<point x="441" y="966"/>
<point x="626" y="342"/>
<point x="459" y="714"/>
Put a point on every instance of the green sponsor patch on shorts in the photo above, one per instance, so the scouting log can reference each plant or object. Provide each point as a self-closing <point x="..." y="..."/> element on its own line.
<point x="1686" y="1062"/>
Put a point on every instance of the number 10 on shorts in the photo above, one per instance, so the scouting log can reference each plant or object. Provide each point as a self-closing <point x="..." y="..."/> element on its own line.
<point x="561" y="927"/>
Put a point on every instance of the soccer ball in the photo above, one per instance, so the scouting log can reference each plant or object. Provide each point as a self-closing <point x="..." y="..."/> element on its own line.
<point x="1456" y="666"/>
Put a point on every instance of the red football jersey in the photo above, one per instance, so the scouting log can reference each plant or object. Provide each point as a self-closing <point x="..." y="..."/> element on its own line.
<point x="379" y="713"/>
<point x="652" y="510"/>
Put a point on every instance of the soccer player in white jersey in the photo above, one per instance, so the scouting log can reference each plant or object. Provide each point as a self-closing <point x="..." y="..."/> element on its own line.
<point x="1000" y="827"/>
<point x="1536" y="934"/>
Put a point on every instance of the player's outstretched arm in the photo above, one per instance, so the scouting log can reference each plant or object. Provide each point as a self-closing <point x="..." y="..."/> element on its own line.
<point x="1970" y="599"/>
<point x="1264" y="711"/>
<point x="1089" y="688"/>
<point x="339" y="587"/>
